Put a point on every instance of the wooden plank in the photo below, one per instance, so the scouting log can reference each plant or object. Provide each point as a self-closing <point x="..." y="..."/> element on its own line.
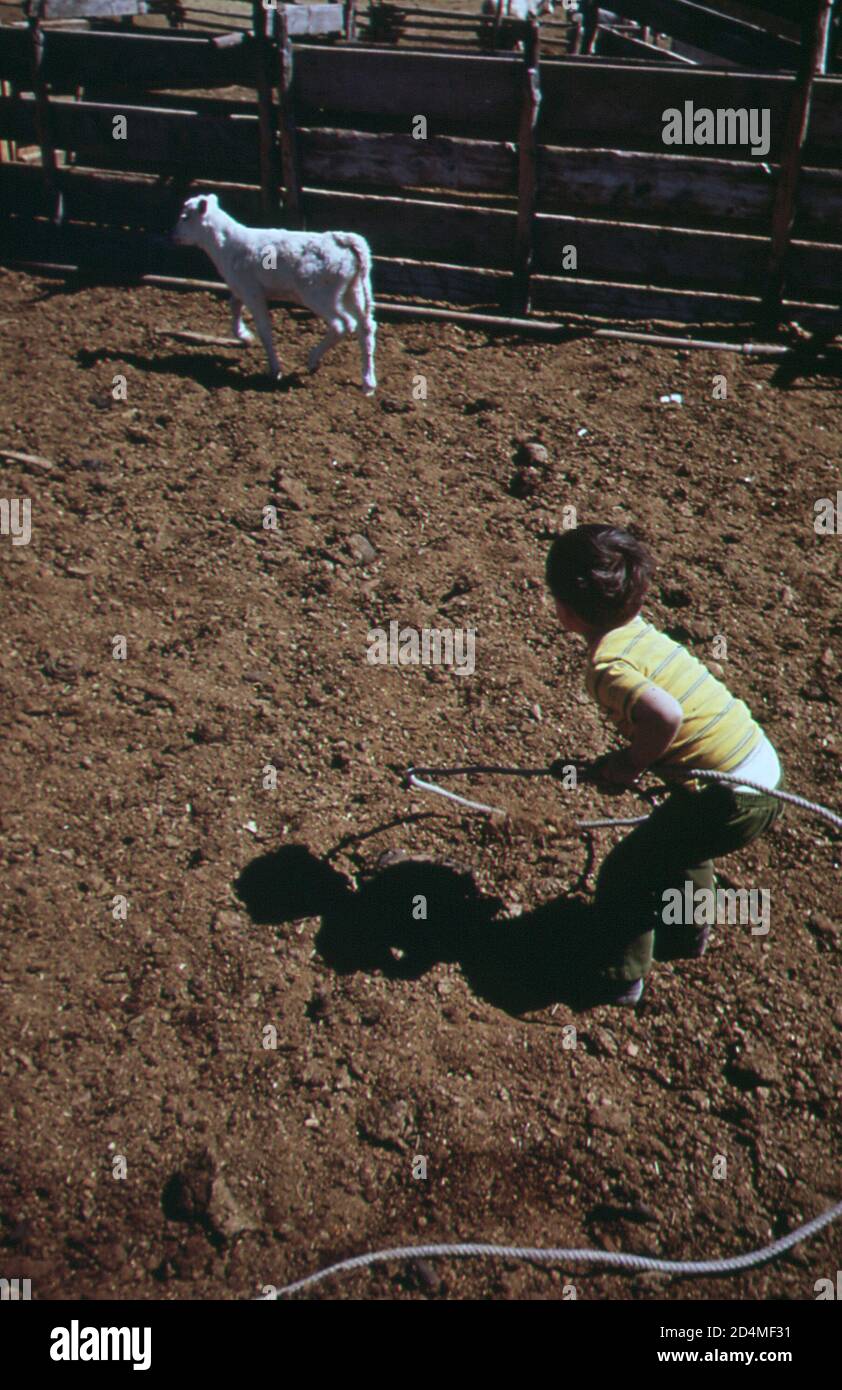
<point x="814" y="273"/>
<point x="611" y="44"/>
<point x="117" y="200"/>
<point x="398" y="227"/>
<point x="336" y="158"/>
<point x="14" y="54"/>
<point x="186" y="335"/>
<point x="792" y="10"/>
<point x="703" y="27"/>
<point x="683" y="191"/>
<point x="113" y="254"/>
<point x="371" y="159"/>
<point x="465" y="16"/>
<point x="818" y="216"/>
<point x="662" y="256"/>
<point x="313" y="20"/>
<point x="447" y="284"/>
<point x="627" y="186"/>
<point x="630" y="302"/>
<point x="575" y="111"/>
<point x="620" y="301"/>
<point x="157" y="140"/>
<point x="413" y="19"/>
<point x="460" y="94"/>
<point x="92" y="9"/>
<point x="122" y="59"/>
<point x="17" y="120"/>
<point x="824" y="135"/>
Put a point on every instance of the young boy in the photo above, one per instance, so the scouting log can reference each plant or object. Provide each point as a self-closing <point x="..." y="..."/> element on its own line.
<point x="673" y="712"/>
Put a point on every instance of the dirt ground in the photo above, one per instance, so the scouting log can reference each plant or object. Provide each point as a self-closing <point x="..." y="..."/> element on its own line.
<point x="155" y="1143"/>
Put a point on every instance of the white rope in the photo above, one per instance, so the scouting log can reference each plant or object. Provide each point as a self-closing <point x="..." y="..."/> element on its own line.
<point x="613" y="1259"/>
<point x="665" y="770"/>
<point x="498" y="810"/>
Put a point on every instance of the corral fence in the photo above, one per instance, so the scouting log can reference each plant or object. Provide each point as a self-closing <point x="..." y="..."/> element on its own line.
<point x="762" y="34"/>
<point x="506" y="182"/>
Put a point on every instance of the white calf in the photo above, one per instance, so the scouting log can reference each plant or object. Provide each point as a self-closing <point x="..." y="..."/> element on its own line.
<point x="327" y="272"/>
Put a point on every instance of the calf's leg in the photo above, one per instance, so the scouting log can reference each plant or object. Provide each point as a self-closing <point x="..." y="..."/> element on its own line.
<point x="365" y="329"/>
<point x="238" y="328"/>
<point x="257" y="307"/>
<point x="337" y="327"/>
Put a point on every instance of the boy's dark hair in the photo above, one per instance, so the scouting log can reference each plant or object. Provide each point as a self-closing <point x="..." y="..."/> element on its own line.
<point x="601" y="572"/>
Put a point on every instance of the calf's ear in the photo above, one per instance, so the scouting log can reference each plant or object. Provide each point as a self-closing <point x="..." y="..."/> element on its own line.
<point x="202" y="206"/>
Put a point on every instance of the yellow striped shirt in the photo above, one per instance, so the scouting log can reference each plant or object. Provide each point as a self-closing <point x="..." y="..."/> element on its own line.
<point x="717" y="732"/>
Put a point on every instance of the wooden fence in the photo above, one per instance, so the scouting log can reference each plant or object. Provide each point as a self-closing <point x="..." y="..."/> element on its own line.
<point x="499" y="182"/>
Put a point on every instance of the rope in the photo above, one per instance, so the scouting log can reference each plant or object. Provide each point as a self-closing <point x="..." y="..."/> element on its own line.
<point x="553" y="1255"/>
<point x="702" y="774"/>
<point x="613" y="1259"/>
<point x="498" y="810"/>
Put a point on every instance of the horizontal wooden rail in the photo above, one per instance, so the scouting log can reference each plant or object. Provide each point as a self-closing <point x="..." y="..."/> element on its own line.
<point x="611" y="44"/>
<point x="313" y="20"/>
<point x="477" y="92"/>
<point x="672" y="256"/>
<point x="73" y="57"/>
<point x="791" y="10"/>
<point x="157" y="140"/>
<point x="642" y="302"/>
<point x="396" y="227"/>
<point x="683" y="191"/>
<point x="701" y="26"/>
<point x="336" y="158"/>
<point x="575" y="110"/>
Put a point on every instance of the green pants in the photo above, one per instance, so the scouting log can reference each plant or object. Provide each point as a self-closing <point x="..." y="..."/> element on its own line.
<point x="677" y="844"/>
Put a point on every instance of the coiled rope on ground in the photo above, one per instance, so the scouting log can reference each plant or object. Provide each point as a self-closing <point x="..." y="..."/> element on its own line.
<point x="556" y="1255"/>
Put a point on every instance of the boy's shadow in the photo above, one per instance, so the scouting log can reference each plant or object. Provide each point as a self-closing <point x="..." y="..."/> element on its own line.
<point x="407" y="916"/>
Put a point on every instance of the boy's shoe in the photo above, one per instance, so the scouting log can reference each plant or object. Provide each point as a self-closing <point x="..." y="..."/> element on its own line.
<point x="624" y="994"/>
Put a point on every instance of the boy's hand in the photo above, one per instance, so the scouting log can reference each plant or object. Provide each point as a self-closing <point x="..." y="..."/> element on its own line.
<point x="615" y="772"/>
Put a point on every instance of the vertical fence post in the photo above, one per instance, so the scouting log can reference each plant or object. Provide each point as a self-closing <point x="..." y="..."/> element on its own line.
<point x="498" y="20"/>
<point x="269" y="171"/>
<point x="6" y="155"/>
<point x="289" y="135"/>
<point x="49" y="163"/>
<point x="527" y="170"/>
<point x="350" y="18"/>
<point x="812" y="63"/>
